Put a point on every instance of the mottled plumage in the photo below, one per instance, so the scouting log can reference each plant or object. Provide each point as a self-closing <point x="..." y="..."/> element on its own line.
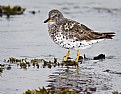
<point x="70" y="34"/>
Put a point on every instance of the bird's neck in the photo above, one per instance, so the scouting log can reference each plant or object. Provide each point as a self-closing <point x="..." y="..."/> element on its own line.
<point x="51" y="23"/>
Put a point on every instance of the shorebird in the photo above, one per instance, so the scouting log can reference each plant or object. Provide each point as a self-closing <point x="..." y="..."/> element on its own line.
<point x="71" y="34"/>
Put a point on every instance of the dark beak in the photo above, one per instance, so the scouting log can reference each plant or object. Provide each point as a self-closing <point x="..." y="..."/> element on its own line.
<point x="46" y="20"/>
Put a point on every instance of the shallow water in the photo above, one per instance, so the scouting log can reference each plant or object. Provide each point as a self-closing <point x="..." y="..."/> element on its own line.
<point x="26" y="36"/>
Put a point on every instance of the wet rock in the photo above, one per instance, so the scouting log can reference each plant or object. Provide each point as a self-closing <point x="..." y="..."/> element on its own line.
<point x="54" y="80"/>
<point x="32" y="12"/>
<point x="8" y="67"/>
<point x="55" y="60"/>
<point x="107" y="70"/>
<point x="80" y="59"/>
<point x="100" y="56"/>
<point x="113" y="72"/>
<point x="92" y="88"/>
<point x="1" y="12"/>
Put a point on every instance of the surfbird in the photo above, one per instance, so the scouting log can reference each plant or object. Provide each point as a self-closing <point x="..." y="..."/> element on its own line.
<point x="71" y="34"/>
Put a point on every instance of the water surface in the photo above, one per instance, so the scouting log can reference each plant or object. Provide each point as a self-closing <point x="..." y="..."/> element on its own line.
<point x="26" y="36"/>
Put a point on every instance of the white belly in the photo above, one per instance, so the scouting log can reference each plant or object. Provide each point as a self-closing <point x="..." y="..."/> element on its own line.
<point x="64" y="42"/>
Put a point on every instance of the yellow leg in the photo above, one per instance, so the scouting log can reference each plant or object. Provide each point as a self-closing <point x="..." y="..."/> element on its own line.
<point x="78" y="54"/>
<point x="67" y="55"/>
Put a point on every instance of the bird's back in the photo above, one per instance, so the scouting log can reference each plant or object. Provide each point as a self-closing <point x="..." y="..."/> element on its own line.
<point x="81" y="32"/>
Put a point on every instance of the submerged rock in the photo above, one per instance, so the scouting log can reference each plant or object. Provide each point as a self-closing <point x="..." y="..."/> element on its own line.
<point x="8" y="67"/>
<point x="100" y="56"/>
<point x="112" y="72"/>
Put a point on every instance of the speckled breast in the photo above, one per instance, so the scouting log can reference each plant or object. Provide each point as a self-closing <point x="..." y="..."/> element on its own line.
<point x="64" y="41"/>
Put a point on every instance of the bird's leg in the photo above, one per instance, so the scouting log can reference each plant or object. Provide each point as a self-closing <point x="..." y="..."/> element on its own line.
<point x="67" y="55"/>
<point x="78" y="54"/>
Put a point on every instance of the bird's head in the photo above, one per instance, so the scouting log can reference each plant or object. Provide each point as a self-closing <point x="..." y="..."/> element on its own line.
<point x="54" y="16"/>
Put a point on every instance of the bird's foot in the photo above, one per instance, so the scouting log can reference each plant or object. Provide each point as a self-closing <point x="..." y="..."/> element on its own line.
<point x="67" y="55"/>
<point x="78" y="55"/>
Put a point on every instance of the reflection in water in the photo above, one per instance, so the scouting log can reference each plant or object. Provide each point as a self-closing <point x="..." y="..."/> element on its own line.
<point x="71" y="78"/>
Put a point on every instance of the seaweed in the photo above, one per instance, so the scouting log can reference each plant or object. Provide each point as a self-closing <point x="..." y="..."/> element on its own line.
<point x="116" y="92"/>
<point x="2" y="67"/>
<point x="9" y="10"/>
<point x="66" y="88"/>
<point x="50" y="91"/>
<point x="1" y="70"/>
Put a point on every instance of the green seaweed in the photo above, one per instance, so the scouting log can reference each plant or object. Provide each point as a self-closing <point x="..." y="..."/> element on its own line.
<point x="69" y="63"/>
<point x="1" y="70"/>
<point x="2" y="67"/>
<point x="36" y="62"/>
<point x="9" y="10"/>
<point x="13" y="60"/>
<point x="116" y="92"/>
<point x="50" y="91"/>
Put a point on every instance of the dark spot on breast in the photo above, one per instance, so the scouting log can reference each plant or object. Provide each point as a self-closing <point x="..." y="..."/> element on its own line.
<point x="54" y="39"/>
<point x="68" y="44"/>
<point x="64" y="37"/>
<point x="64" y="45"/>
<point x="61" y="42"/>
<point x="67" y="38"/>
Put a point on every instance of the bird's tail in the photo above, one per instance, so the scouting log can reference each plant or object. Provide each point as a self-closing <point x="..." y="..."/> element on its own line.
<point x="107" y="35"/>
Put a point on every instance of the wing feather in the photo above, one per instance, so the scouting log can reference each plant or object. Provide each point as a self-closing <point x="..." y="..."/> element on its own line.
<point x="81" y="32"/>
